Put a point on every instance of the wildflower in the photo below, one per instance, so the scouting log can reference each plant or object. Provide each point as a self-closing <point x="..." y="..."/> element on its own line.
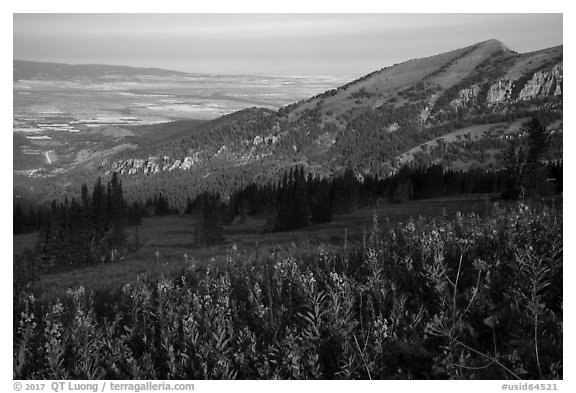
<point x="126" y="288"/>
<point x="53" y="329"/>
<point x="491" y="321"/>
<point x="336" y="279"/>
<point x="308" y="282"/>
<point x="27" y="319"/>
<point x="164" y="285"/>
<point x="411" y="227"/>
<point x="381" y="328"/>
<point x="255" y="298"/>
<point x="480" y="264"/>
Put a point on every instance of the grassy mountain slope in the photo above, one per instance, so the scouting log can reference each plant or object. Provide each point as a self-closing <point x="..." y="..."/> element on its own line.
<point x="373" y="90"/>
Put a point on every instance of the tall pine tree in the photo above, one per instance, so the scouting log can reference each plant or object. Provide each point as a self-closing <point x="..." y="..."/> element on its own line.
<point x="209" y="225"/>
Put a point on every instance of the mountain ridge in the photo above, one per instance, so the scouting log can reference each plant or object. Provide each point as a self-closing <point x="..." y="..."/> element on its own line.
<point x="366" y="124"/>
<point x="25" y="70"/>
<point x="30" y="70"/>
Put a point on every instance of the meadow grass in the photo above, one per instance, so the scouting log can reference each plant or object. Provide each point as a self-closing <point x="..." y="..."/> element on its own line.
<point x="172" y="237"/>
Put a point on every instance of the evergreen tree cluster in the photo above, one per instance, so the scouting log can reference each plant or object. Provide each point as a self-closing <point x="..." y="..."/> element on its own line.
<point x="527" y="171"/>
<point x="87" y="231"/>
<point x="434" y="181"/>
<point x="27" y="221"/>
<point x="295" y="201"/>
<point x="366" y="143"/>
<point x="159" y="205"/>
<point x="299" y="200"/>
<point x="292" y="201"/>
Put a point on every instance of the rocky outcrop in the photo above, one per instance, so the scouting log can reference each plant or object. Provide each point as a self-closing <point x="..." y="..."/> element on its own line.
<point x="543" y="84"/>
<point x="246" y="151"/>
<point x="189" y="162"/>
<point x="466" y="97"/>
<point x="499" y="92"/>
<point x="393" y="127"/>
<point x="175" y="165"/>
<point x="270" y="139"/>
<point x="151" y="165"/>
<point x="259" y="148"/>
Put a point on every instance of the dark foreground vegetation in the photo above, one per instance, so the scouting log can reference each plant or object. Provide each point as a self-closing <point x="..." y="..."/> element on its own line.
<point x="461" y="296"/>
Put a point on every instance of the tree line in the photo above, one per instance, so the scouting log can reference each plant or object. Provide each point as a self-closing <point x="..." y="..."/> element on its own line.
<point x="298" y="199"/>
<point x="85" y="231"/>
<point x="92" y="228"/>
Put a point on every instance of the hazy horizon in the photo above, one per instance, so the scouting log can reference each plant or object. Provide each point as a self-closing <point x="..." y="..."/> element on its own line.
<point x="270" y="44"/>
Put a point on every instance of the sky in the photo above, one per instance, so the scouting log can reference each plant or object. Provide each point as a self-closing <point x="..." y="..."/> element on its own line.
<point x="274" y="44"/>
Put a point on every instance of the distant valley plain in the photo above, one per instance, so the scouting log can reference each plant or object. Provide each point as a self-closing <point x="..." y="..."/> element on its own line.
<point x="54" y="117"/>
<point x="149" y="99"/>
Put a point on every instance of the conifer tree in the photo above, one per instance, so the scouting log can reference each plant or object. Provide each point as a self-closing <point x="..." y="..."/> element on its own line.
<point x="98" y="212"/>
<point x="282" y="200"/>
<point x="85" y="197"/>
<point x="18" y="220"/>
<point x="116" y="212"/>
<point x="536" y="179"/>
<point x="345" y="189"/>
<point x="292" y="201"/>
<point x="209" y="226"/>
<point x="321" y="203"/>
<point x="301" y="211"/>
<point x="526" y="173"/>
<point x="45" y="236"/>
